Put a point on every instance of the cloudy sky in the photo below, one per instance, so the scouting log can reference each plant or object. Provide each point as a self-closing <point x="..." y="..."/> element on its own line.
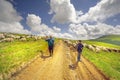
<point x="73" y="19"/>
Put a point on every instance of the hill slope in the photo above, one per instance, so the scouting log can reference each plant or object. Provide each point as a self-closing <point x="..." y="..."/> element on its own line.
<point x="112" y="39"/>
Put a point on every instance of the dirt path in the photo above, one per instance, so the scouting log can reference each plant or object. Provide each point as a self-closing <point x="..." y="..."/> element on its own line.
<point x="57" y="68"/>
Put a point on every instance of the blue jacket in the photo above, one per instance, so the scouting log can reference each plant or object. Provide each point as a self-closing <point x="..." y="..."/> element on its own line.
<point x="79" y="47"/>
<point x="50" y="42"/>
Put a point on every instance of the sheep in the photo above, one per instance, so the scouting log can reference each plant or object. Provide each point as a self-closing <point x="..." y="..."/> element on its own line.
<point x="118" y="51"/>
<point x="36" y="38"/>
<point x="84" y="44"/>
<point x="94" y="46"/>
<point x="91" y="47"/>
<point x="17" y="37"/>
<point x="8" y="39"/>
<point x="115" y="50"/>
<point x="110" y="50"/>
<point x="2" y="36"/>
<point x="32" y="36"/>
<point x="104" y="49"/>
<point x="66" y="41"/>
<point x="73" y="47"/>
<point x="39" y="37"/>
<point x="5" y="34"/>
<point x="10" y="36"/>
<point x="74" y="44"/>
<point x="28" y="37"/>
<point x="23" y="39"/>
<point x="97" y="49"/>
<point x="69" y="42"/>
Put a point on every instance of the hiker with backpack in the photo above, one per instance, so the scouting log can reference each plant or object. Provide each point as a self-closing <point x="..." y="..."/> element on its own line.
<point x="50" y="45"/>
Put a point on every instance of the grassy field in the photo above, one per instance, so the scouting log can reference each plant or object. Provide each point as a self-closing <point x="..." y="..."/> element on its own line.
<point x="109" y="63"/>
<point x="97" y="43"/>
<point x="112" y="39"/>
<point x="12" y="54"/>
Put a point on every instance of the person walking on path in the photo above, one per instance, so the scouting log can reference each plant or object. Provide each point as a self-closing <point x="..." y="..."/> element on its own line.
<point x="79" y="47"/>
<point x="50" y="41"/>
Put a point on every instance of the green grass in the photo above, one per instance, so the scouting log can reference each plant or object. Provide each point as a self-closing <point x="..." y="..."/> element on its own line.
<point x="112" y="39"/>
<point x="97" y="43"/>
<point x="109" y="63"/>
<point x="12" y="54"/>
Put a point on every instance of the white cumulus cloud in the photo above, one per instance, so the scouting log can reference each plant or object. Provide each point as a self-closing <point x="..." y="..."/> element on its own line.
<point x="34" y="22"/>
<point x="66" y="35"/>
<point x="63" y="11"/>
<point x="56" y="29"/>
<point x="37" y="27"/>
<point x="14" y="27"/>
<point x="10" y="19"/>
<point x="103" y="10"/>
<point x="87" y="31"/>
